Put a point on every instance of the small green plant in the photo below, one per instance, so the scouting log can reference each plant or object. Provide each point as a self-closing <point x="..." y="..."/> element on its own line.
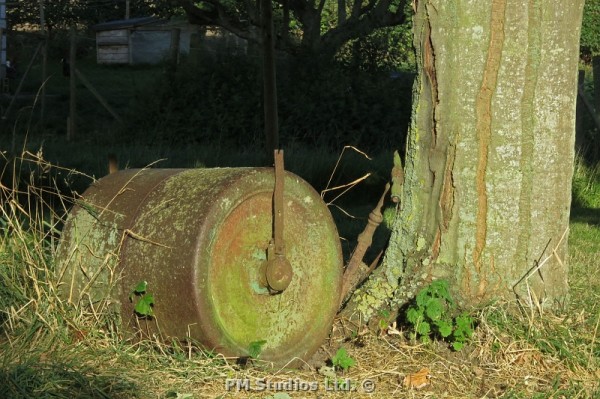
<point x="342" y="360"/>
<point x="383" y="320"/>
<point x="255" y="348"/>
<point x="432" y="314"/>
<point x="143" y="307"/>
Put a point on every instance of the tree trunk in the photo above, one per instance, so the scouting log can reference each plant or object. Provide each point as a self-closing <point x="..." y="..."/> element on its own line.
<point x="487" y="189"/>
<point x="341" y="12"/>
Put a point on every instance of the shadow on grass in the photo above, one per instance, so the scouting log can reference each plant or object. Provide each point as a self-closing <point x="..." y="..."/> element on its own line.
<point x="55" y="380"/>
<point x="590" y="216"/>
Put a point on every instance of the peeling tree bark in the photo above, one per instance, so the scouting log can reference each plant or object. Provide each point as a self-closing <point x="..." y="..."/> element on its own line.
<point x="488" y="166"/>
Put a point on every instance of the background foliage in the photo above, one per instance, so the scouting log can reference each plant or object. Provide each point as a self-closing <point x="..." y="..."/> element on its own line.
<point x="590" y="30"/>
<point x="60" y="14"/>
<point x="220" y="101"/>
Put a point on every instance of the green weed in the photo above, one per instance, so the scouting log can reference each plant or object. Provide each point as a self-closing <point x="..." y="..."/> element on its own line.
<point x="255" y="348"/>
<point x="145" y="302"/>
<point x="342" y="360"/>
<point x="432" y="314"/>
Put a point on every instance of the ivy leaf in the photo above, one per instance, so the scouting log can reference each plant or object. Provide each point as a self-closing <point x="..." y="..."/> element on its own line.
<point x="255" y="348"/>
<point x="139" y="289"/>
<point x="342" y="359"/>
<point x="144" y="306"/>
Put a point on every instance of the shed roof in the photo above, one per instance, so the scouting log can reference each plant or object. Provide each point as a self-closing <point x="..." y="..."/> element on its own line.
<point x="127" y="23"/>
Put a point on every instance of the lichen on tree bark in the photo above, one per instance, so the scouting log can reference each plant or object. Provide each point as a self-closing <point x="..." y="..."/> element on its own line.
<point x="489" y="157"/>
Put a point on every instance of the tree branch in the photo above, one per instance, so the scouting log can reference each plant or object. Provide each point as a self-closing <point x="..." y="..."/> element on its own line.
<point x="218" y="15"/>
<point x="356" y="8"/>
<point x="361" y="22"/>
<point x="362" y="25"/>
<point x="321" y="5"/>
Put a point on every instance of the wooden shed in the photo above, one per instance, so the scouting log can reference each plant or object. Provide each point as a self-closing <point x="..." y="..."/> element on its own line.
<point x="146" y="40"/>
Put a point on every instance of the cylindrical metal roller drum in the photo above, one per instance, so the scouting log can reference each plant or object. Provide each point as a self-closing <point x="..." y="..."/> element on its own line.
<point x="199" y="238"/>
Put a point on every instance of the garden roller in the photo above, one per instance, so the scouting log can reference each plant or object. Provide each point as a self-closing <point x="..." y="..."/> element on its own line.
<point x="221" y="266"/>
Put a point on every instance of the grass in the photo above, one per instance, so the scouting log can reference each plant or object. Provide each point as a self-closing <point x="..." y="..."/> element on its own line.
<point x="53" y="350"/>
<point x="90" y="159"/>
<point x="50" y="349"/>
<point x="117" y="84"/>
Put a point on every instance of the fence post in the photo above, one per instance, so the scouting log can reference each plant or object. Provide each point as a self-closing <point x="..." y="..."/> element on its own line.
<point x="580" y="139"/>
<point x="72" y="121"/>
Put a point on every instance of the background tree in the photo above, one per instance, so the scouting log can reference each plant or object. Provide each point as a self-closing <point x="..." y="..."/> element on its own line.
<point x="59" y="14"/>
<point x="305" y="26"/>
<point x="384" y="49"/>
<point x="489" y="160"/>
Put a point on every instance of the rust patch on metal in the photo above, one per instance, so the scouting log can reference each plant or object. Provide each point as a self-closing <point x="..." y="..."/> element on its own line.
<point x="278" y="272"/>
